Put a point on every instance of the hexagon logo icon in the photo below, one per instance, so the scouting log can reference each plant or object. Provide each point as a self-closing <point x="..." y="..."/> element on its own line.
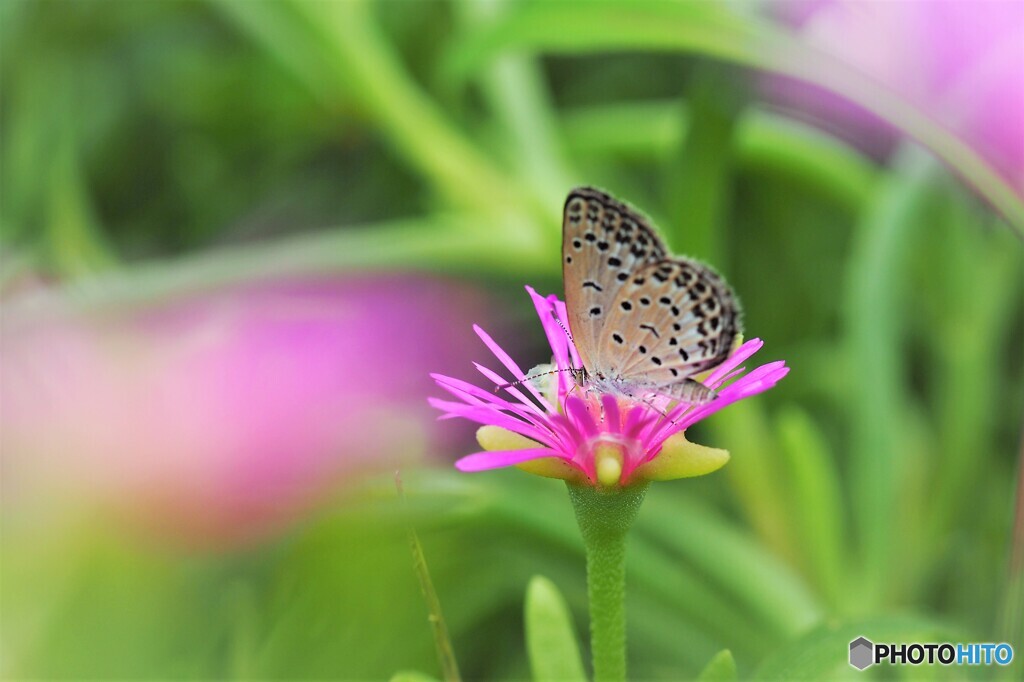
<point x="861" y="653"/>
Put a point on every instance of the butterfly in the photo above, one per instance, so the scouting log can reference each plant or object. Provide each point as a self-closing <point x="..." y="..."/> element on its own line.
<point x="643" y="321"/>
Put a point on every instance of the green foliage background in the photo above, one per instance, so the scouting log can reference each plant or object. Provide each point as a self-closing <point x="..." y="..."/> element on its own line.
<point x="160" y="147"/>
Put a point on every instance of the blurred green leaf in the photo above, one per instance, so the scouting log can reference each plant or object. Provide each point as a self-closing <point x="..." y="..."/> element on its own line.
<point x="756" y="473"/>
<point x="652" y="130"/>
<point x="721" y="668"/>
<point x="1011" y="616"/>
<point x="714" y="30"/>
<point x="699" y="185"/>
<point x="75" y="245"/>
<point x="277" y="28"/>
<point x="411" y="676"/>
<point x="973" y="306"/>
<point x="816" y="506"/>
<point x="517" y="94"/>
<point x="439" y="243"/>
<point x="550" y="634"/>
<point x="364" y="64"/>
<point x="875" y="293"/>
<point x="723" y="555"/>
<point x="438" y="626"/>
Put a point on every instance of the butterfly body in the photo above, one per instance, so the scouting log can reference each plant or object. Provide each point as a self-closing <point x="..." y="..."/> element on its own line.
<point x="643" y="321"/>
<point x="616" y="384"/>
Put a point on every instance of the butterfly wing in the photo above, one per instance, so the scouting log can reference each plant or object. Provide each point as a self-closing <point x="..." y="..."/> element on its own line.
<point x="671" y="320"/>
<point x="604" y="243"/>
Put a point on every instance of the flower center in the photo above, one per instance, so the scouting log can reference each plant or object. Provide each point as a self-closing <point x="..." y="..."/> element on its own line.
<point x="609" y="454"/>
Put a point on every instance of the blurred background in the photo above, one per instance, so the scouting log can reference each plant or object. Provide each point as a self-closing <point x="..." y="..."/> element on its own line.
<point x="236" y="237"/>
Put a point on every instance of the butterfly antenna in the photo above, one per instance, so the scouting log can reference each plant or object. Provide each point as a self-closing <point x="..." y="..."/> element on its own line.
<point x="530" y="378"/>
<point x="564" y="328"/>
<point x="572" y="367"/>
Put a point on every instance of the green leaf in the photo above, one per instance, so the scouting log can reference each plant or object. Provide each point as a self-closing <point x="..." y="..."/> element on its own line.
<point x="816" y="509"/>
<point x="757" y="473"/>
<point x="876" y="295"/>
<point x="363" y="65"/>
<point x="449" y="243"/>
<point x="701" y="176"/>
<point x="550" y="636"/>
<point x="412" y="676"/>
<point x="721" y="668"/>
<point x="713" y="30"/>
<point x="76" y="245"/>
<point x="737" y="576"/>
<point x="517" y="94"/>
<point x="652" y="130"/>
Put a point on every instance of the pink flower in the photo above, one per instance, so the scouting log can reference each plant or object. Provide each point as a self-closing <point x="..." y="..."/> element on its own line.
<point x="222" y="417"/>
<point x="570" y="433"/>
<point x="959" y="60"/>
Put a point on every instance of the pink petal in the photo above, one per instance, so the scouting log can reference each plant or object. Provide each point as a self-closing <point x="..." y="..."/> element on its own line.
<point x="613" y="421"/>
<point x="735" y="360"/>
<point x="581" y="417"/>
<point x="507" y="361"/>
<point x="482" y="461"/>
<point x="511" y="390"/>
<point x="563" y="315"/>
<point x="474" y="395"/>
<point x="490" y="417"/>
<point x="730" y="375"/>
<point x="557" y="339"/>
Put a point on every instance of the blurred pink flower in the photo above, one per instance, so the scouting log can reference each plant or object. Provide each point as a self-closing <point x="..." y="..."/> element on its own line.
<point x="591" y="427"/>
<point x="226" y="416"/>
<point x="959" y="60"/>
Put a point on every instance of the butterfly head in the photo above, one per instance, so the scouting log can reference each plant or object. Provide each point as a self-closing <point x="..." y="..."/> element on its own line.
<point x="580" y="376"/>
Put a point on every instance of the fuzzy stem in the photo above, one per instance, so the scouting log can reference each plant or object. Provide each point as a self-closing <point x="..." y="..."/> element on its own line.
<point x="604" y="517"/>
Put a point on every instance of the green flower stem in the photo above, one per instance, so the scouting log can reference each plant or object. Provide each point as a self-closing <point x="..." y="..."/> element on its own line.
<point x="605" y="517"/>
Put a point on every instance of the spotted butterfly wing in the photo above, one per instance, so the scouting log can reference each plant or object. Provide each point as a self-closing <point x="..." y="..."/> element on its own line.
<point x="671" y="320"/>
<point x="604" y="243"/>
<point x="643" y="322"/>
